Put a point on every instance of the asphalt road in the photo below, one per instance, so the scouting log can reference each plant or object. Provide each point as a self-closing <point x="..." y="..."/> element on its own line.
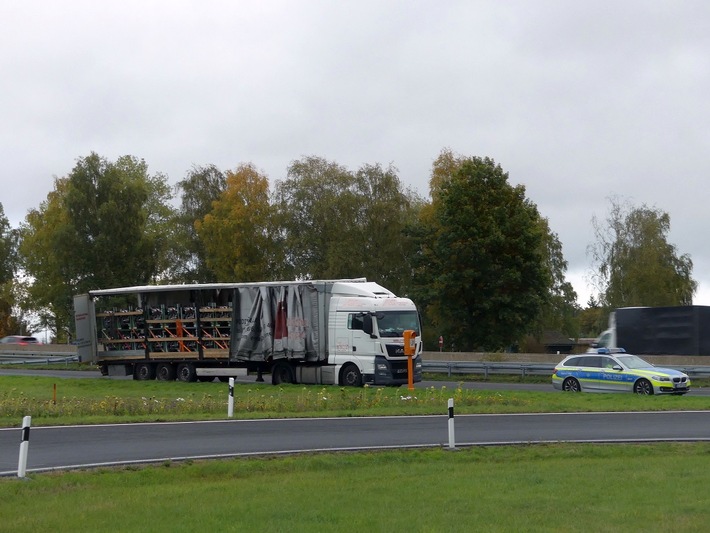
<point x="90" y="446"/>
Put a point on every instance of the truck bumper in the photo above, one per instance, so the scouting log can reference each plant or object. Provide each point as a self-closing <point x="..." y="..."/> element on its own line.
<point x="393" y="372"/>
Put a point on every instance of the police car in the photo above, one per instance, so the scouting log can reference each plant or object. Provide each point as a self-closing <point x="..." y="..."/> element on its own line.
<point x="616" y="371"/>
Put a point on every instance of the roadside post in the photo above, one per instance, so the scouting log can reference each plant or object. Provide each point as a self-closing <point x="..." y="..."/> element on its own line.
<point x="452" y="437"/>
<point x="441" y="343"/>
<point x="409" y="349"/>
<point x="24" y="445"/>
<point x="230" y="405"/>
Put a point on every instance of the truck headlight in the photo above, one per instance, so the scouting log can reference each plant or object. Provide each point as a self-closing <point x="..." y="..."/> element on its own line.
<point x="381" y="366"/>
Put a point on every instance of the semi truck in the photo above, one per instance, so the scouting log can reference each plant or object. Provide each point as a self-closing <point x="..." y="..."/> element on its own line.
<point x="675" y="330"/>
<point x="340" y="332"/>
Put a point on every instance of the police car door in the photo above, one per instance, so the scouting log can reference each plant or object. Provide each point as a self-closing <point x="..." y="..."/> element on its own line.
<point x="612" y="380"/>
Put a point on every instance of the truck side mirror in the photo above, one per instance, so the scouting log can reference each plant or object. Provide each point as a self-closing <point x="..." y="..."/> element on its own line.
<point x="367" y="324"/>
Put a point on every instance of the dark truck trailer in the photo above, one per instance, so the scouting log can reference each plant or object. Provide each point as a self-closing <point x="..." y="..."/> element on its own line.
<point x="677" y="330"/>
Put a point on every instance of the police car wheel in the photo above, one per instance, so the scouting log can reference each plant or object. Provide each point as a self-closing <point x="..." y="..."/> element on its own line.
<point x="571" y="385"/>
<point x="643" y="386"/>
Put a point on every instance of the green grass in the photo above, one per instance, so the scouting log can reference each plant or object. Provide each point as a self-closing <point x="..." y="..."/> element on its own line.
<point x="88" y="400"/>
<point x="652" y="488"/>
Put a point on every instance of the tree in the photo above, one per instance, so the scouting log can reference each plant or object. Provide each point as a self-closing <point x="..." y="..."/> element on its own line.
<point x="560" y="313"/>
<point x="480" y="268"/>
<point x="633" y="262"/>
<point x="8" y="249"/>
<point x="385" y="209"/>
<point x="238" y="234"/>
<point x="317" y="208"/>
<point x="200" y="189"/>
<point x="340" y="224"/>
<point x="10" y="322"/>
<point x="105" y="225"/>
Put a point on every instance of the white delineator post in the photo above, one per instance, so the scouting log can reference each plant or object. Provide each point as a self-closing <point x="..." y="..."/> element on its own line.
<point x="452" y="437"/>
<point x="24" y="445"/>
<point x="230" y="408"/>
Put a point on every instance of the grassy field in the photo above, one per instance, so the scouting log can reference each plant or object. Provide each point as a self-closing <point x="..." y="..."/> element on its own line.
<point x="652" y="488"/>
<point x="58" y="401"/>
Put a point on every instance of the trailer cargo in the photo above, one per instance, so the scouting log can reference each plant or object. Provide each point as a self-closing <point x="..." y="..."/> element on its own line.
<point x="347" y="332"/>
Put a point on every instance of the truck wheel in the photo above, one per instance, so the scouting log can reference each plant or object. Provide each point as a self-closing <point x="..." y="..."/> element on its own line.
<point x="186" y="372"/>
<point x="282" y="373"/>
<point x="144" y="372"/>
<point x="165" y="372"/>
<point x="350" y="376"/>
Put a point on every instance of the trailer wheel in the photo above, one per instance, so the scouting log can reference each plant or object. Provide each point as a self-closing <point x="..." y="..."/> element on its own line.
<point x="165" y="372"/>
<point x="186" y="372"/>
<point x="282" y="372"/>
<point x="144" y="372"/>
<point x="350" y="376"/>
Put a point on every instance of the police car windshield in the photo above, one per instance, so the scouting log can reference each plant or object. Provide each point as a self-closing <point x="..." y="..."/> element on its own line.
<point x="631" y="361"/>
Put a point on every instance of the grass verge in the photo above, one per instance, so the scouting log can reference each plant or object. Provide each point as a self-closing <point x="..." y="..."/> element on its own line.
<point x="60" y="401"/>
<point x="657" y="487"/>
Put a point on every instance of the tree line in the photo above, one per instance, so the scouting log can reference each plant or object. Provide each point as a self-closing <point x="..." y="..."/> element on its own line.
<point x="477" y="256"/>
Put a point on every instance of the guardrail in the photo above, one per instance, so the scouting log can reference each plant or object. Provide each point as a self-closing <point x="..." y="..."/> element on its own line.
<point x="21" y="357"/>
<point x="450" y="368"/>
<point x="524" y="369"/>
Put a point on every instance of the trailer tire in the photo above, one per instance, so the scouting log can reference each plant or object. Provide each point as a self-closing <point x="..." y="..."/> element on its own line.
<point x="165" y="372"/>
<point x="144" y="372"/>
<point x="186" y="372"/>
<point x="351" y="376"/>
<point x="282" y="372"/>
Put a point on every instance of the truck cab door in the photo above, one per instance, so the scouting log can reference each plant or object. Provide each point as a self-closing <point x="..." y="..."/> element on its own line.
<point x="363" y="337"/>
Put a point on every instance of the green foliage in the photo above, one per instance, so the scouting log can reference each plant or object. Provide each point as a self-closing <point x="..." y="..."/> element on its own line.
<point x="481" y="268"/>
<point x="317" y="207"/>
<point x="200" y="189"/>
<point x="634" y="264"/>
<point x="105" y="225"/>
<point x="10" y="322"/>
<point x="339" y="224"/>
<point x="8" y="249"/>
<point x="560" y="312"/>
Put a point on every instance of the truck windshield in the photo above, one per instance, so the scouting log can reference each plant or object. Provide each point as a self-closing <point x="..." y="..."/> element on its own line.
<point x="394" y="323"/>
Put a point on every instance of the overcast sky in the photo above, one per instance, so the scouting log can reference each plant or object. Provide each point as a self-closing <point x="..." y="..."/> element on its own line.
<point x="578" y="101"/>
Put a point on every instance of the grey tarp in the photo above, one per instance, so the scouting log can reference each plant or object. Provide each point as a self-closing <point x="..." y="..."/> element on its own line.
<point x="276" y="322"/>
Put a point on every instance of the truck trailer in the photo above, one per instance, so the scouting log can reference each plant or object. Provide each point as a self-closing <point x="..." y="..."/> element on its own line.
<point x="674" y="330"/>
<point x="340" y="332"/>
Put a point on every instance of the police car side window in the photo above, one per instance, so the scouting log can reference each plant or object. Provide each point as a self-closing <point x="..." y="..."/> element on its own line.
<point x="607" y="362"/>
<point x="573" y="362"/>
<point x="592" y="361"/>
